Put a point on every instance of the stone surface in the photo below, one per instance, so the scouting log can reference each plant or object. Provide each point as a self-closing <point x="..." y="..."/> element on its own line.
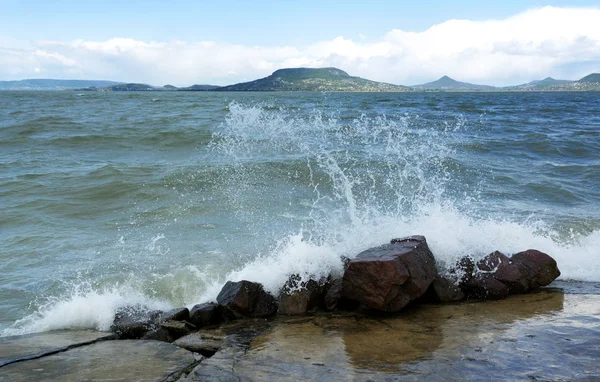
<point x="540" y="269"/>
<point x="514" y="339"/>
<point x="246" y="299"/>
<point x="443" y="289"/>
<point x="205" y="343"/>
<point x="205" y="314"/>
<point x="388" y="277"/>
<point x="127" y="360"/>
<point x="29" y="346"/>
<point x="301" y="297"/>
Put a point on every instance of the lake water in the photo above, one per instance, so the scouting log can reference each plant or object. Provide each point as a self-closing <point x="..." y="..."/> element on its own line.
<point x="110" y="199"/>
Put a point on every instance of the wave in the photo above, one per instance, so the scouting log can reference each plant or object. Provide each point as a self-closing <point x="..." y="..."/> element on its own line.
<point x="351" y="184"/>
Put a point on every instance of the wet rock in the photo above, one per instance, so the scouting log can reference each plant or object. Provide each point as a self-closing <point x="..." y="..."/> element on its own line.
<point x="133" y="322"/>
<point x="246" y="299"/>
<point x="485" y="287"/>
<point x="178" y="314"/>
<point x="388" y="277"/>
<point x="539" y="268"/>
<point x="158" y="334"/>
<point x="298" y="297"/>
<point x="443" y="289"/>
<point x="333" y="294"/>
<point x="178" y="329"/>
<point x="205" y="314"/>
<point x="502" y="268"/>
<point x="204" y="343"/>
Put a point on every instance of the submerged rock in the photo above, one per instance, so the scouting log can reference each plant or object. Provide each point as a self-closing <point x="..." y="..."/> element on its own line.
<point x="388" y="277"/>
<point x="246" y="299"/>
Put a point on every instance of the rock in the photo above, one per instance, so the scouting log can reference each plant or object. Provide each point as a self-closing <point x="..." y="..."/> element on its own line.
<point x="502" y="268"/>
<point x="388" y="277"/>
<point x="178" y="329"/>
<point x="485" y="287"/>
<point x="178" y="314"/>
<point x="246" y="299"/>
<point x="443" y="289"/>
<point x="301" y="297"/>
<point x="158" y="334"/>
<point x="205" y="314"/>
<point x="539" y="268"/>
<point x="133" y="322"/>
<point x="333" y="294"/>
<point x="204" y="343"/>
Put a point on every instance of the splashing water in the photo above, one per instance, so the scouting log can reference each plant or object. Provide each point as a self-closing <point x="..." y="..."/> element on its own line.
<point x="310" y="186"/>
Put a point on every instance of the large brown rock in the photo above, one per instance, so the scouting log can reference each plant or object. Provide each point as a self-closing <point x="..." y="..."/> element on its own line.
<point x="539" y="268"/>
<point x="246" y="299"/>
<point x="484" y="287"/>
<point x="388" y="277"/>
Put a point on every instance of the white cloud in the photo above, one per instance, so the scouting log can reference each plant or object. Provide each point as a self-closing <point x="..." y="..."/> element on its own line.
<point x="561" y="42"/>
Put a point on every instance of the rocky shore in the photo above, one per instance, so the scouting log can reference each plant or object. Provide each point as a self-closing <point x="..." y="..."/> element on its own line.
<point x="392" y="314"/>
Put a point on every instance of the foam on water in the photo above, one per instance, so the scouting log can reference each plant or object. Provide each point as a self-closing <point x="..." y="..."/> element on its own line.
<point x="371" y="179"/>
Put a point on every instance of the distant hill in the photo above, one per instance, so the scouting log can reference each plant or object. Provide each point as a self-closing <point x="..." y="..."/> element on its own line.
<point x="314" y="79"/>
<point x="594" y="77"/>
<point x="547" y="83"/>
<point x="50" y="84"/>
<point x="199" y="88"/>
<point x="447" y="83"/>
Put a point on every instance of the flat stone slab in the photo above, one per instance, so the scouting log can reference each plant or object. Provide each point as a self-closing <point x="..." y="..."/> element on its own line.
<point x="541" y="336"/>
<point x="17" y="348"/>
<point x="123" y="360"/>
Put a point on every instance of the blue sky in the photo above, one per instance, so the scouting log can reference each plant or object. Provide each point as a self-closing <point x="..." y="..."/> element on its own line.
<point x="228" y="41"/>
<point x="243" y="22"/>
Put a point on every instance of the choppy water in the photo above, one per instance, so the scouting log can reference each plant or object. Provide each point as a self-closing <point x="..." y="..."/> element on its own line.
<point x="108" y="199"/>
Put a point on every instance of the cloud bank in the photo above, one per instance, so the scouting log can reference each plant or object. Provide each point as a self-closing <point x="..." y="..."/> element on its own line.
<point x="550" y="41"/>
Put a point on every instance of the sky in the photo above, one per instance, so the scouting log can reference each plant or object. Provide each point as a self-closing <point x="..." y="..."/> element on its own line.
<point x="184" y="42"/>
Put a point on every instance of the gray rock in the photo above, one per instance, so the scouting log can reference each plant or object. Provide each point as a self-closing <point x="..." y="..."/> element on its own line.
<point x="106" y="361"/>
<point x="20" y="348"/>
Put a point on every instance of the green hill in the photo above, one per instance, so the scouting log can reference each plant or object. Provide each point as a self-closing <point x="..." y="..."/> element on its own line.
<point x="594" y="77"/>
<point x="314" y="79"/>
<point x="198" y="88"/>
<point x="447" y="83"/>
